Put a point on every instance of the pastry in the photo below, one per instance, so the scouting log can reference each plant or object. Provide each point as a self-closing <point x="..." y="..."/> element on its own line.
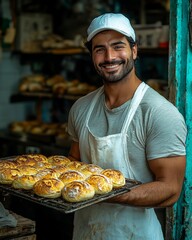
<point x="35" y="78"/>
<point x="58" y="160"/>
<point x="101" y="183"/>
<point x="47" y="173"/>
<point x="89" y="169"/>
<point x="25" y="182"/>
<point x="116" y="177"/>
<point x="60" y="169"/>
<point x="34" y="87"/>
<point x="7" y="164"/>
<point x="71" y="176"/>
<point x="75" y="165"/>
<point x="77" y="191"/>
<point x="7" y="175"/>
<point x="59" y="88"/>
<point x="52" y="173"/>
<point x="42" y="165"/>
<point x="31" y="159"/>
<point x="27" y="170"/>
<point x="48" y="188"/>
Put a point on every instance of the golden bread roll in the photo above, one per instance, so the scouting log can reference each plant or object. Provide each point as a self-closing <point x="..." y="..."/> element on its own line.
<point x="75" y="165"/>
<point x="25" y="182"/>
<point x="60" y="88"/>
<point x="31" y="159"/>
<point x="42" y="165"/>
<point x="27" y="170"/>
<point x="35" y="78"/>
<point x="90" y="169"/>
<point x="29" y="162"/>
<point x="7" y="164"/>
<point x="55" y="79"/>
<point x="37" y="130"/>
<point x="77" y="191"/>
<point x="60" y="169"/>
<point x="16" y="127"/>
<point x="34" y="87"/>
<point x="70" y="176"/>
<point x="101" y="183"/>
<point x="43" y="172"/>
<point x="48" y="188"/>
<point x="52" y="173"/>
<point x="58" y="160"/>
<point x="7" y="175"/>
<point x="47" y="173"/>
<point x="116" y="177"/>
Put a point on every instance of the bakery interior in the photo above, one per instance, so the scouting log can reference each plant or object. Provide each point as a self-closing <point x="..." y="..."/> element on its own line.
<point x="45" y="68"/>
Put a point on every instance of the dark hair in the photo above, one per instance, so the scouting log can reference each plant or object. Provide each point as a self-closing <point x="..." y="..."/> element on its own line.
<point x="132" y="43"/>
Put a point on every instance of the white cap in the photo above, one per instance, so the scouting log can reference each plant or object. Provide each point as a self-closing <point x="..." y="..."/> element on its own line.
<point x="110" y="21"/>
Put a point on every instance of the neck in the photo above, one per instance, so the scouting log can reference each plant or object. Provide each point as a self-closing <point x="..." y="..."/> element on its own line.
<point x="118" y="93"/>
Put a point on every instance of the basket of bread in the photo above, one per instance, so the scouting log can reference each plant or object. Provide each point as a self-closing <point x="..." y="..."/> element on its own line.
<point x="60" y="183"/>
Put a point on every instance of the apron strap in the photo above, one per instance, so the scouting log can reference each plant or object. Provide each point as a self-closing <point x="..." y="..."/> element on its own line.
<point x="138" y="96"/>
<point x="93" y="102"/>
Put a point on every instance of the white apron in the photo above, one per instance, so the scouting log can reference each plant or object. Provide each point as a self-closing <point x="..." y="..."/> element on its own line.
<point x="106" y="221"/>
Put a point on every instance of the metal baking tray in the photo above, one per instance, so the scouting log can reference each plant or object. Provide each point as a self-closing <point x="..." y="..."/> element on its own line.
<point x="60" y="204"/>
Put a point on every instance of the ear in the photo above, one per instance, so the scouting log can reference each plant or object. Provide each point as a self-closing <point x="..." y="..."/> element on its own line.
<point x="134" y="51"/>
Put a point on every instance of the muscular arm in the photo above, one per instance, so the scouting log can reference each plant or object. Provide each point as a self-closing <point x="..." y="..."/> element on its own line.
<point x="166" y="188"/>
<point x="164" y="191"/>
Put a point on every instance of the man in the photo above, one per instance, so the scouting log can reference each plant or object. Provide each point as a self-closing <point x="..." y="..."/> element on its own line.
<point x="126" y="125"/>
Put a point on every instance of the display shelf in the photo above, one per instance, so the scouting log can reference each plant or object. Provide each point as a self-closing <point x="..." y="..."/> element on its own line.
<point x="32" y="96"/>
<point x="74" y="51"/>
<point x="67" y="51"/>
<point x="15" y="144"/>
<point x="56" y="51"/>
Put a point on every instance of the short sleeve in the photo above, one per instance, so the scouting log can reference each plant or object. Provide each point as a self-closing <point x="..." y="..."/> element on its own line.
<point x="167" y="133"/>
<point x="71" y="124"/>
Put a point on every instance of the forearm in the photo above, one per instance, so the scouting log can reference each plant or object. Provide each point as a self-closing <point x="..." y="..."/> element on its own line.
<point x="153" y="194"/>
<point x="74" y="153"/>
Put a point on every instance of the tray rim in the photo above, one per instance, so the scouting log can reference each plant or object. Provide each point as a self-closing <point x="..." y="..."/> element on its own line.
<point x="60" y="204"/>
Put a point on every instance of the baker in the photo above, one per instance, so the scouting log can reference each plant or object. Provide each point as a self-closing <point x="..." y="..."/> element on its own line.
<point x="126" y="125"/>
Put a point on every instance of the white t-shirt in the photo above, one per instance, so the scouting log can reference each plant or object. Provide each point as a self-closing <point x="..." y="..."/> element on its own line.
<point x="156" y="130"/>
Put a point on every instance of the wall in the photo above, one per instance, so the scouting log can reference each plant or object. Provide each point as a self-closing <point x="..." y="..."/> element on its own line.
<point x="10" y="73"/>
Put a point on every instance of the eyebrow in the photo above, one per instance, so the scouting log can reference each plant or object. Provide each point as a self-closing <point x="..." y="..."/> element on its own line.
<point x="113" y="44"/>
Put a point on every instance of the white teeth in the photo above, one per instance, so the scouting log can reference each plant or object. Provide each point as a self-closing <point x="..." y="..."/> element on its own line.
<point x="111" y="66"/>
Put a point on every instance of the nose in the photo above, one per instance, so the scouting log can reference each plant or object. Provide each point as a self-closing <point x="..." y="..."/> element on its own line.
<point x="109" y="54"/>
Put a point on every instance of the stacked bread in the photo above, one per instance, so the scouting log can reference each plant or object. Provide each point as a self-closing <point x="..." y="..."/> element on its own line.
<point x="56" y="84"/>
<point x="58" y="176"/>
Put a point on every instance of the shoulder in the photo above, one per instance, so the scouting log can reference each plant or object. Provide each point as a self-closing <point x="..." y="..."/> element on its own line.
<point x="83" y="103"/>
<point x="155" y="103"/>
<point x="159" y="116"/>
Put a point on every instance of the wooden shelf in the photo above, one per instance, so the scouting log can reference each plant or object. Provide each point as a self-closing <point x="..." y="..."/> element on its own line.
<point x="64" y="51"/>
<point x="73" y="51"/>
<point x="28" y="96"/>
<point x="67" y="51"/>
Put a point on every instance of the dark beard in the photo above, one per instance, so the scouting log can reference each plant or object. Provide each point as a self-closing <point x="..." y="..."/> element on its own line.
<point x="112" y="77"/>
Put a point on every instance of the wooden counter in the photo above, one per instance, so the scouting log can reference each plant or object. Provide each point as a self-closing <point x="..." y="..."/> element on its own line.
<point x="25" y="229"/>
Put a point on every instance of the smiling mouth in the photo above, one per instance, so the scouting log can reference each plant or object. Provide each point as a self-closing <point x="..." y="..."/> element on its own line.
<point x="111" y="65"/>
